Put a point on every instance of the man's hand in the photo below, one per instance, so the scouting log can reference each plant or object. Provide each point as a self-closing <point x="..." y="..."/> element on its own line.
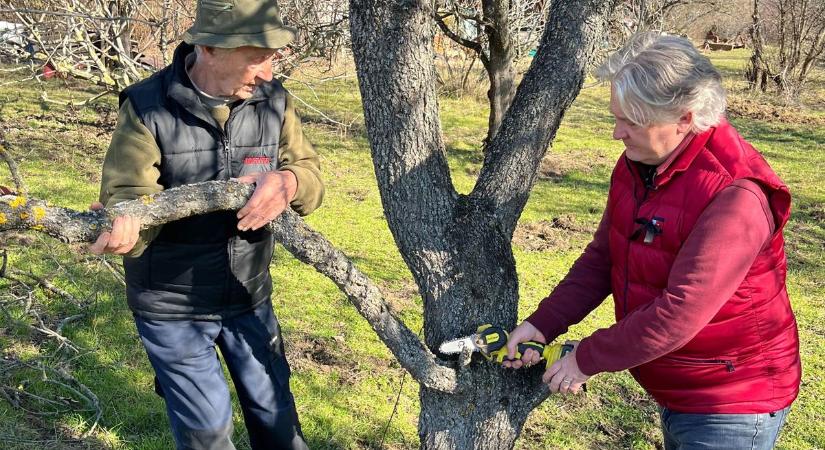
<point x="273" y="192"/>
<point x="564" y="375"/>
<point x="523" y="333"/>
<point x="122" y="238"/>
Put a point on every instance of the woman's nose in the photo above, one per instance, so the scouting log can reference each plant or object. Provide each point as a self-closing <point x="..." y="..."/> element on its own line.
<point x="619" y="132"/>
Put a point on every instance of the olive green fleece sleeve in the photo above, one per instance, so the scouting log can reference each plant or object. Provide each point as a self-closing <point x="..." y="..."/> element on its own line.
<point x="297" y="155"/>
<point x="130" y="168"/>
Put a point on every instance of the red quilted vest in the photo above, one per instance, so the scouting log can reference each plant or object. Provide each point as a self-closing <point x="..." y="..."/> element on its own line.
<point x="746" y="360"/>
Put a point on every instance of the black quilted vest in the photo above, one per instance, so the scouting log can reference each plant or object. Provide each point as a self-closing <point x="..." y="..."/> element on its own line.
<point x="202" y="267"/>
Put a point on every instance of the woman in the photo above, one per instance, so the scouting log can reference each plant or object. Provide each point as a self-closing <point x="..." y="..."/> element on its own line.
<point x="690" y="246"/>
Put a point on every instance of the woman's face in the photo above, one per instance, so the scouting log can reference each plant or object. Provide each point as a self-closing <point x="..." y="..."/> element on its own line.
<point x="650" y="144"/>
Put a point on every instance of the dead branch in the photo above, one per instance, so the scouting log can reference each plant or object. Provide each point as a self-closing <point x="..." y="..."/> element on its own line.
<point x="309" y="246"/>
<point x="54" y="376"/>
<point x="19" y="185"/>
<point x="45" y="284"/>
<point x="117" y="271"/>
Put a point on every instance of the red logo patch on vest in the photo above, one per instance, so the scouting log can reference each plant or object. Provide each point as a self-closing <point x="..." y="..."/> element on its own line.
<point x="255" y="160"/>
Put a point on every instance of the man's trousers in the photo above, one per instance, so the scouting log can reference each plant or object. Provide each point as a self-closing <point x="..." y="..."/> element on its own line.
<point x="190" y="378"/>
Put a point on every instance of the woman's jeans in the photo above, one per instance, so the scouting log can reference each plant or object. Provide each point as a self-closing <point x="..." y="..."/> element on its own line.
<point x="721" y="431"/>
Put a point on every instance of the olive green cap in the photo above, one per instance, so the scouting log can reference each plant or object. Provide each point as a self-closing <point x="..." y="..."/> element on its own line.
<point x="236" y="23"/>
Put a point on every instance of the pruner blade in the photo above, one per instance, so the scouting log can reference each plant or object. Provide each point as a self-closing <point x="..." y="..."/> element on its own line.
<point x="458" y="345"/>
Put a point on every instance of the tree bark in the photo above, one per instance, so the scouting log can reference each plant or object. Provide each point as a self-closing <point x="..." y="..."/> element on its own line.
<point x="757" y="73"/>
<point x="499" y="65"/>
<point x="458" y="247"/>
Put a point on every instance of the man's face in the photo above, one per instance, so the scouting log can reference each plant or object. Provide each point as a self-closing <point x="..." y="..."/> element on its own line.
<point x="236" y="72"/>
<point x="650" y="144"/>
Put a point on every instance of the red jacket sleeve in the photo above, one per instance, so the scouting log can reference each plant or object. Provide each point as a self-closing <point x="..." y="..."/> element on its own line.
<point x="708" y="269"/>
<point x="583" y="289"/>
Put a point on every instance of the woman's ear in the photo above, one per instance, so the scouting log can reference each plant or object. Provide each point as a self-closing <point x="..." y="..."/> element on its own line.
<point x="685" y="122"/>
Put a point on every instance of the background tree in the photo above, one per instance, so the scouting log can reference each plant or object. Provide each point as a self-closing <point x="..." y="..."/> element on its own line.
<point x="498" y="33"/>
<point x="788" y="40"/>
<point x="114" y="43"/>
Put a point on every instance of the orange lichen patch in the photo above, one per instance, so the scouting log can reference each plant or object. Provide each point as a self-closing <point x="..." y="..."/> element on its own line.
<point x="39" y="213"/>
<point x="17" y="202"/>
<point x="3" y="219"/>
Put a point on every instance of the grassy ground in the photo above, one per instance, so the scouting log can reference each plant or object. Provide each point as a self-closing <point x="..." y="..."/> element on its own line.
<point x="344" y="379"/>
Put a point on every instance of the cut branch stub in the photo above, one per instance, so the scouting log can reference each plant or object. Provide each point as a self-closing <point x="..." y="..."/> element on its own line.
<point x="309" y="246"/>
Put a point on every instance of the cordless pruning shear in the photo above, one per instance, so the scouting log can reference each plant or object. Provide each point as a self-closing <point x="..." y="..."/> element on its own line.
<point x="491" y="342"/>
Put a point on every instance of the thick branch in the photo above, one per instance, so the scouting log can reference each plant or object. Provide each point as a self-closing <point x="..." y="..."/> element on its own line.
<point x="20" y="213"/>
<point x="312" y="248"/>
<point x="544" y="95"/>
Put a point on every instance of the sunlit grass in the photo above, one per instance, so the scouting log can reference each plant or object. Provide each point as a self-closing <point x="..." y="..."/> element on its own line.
<point x="344" y="379"/>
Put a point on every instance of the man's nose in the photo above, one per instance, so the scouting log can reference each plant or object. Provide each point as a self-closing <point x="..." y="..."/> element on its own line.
<point x="265" y="71"/>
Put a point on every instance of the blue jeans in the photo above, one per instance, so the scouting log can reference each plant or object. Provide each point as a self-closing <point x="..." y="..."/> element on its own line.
<point x="190" y="379"/>
<point x="684" y="431"/>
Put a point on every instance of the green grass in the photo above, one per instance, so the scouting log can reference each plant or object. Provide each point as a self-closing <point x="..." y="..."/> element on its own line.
<point x="344" y="379"/>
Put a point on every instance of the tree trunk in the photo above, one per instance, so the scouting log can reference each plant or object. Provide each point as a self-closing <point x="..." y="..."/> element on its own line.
<point x="756" y="74"/>
<point x="490" y="417"/>
<point x="458" y="247"/>
<point x="500" y="68"/>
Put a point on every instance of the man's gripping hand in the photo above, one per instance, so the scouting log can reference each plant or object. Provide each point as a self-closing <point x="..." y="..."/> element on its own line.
<point x="273" y="192"/>
<point x="122" y="238"/>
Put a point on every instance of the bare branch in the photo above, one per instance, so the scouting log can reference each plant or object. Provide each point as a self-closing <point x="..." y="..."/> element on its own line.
<point x="20" y="213"/>
<point x="19" y="185"/>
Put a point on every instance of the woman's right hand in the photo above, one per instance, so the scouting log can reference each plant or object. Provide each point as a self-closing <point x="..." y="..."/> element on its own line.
<point x="523" y="333"/>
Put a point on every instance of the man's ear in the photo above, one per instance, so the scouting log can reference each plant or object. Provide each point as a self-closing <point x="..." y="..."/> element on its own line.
<point x="204" y="51"/>
<point x="685" y="122"/>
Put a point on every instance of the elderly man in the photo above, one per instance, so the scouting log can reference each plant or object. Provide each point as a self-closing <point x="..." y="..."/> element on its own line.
<point x="690" y="246"/>
<point x="215" y="113"/>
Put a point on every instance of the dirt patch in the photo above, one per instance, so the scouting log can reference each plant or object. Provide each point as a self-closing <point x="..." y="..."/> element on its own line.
<point x="555" y="166"/>
<point x="317" y="351"/>
<point x="815" y="211"/>
<point x="559" y="234"/>
<point x="358" y="194"/>
<point x="401" y="296"/>
<point x="323" y="355"/>
<point x="746" y="108"/>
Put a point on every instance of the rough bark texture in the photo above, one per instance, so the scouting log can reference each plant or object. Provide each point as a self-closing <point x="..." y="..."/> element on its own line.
<point x="458" y="247"/>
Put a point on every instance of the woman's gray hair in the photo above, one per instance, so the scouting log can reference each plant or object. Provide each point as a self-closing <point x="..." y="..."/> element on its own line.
<point x="657" y="78"/>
